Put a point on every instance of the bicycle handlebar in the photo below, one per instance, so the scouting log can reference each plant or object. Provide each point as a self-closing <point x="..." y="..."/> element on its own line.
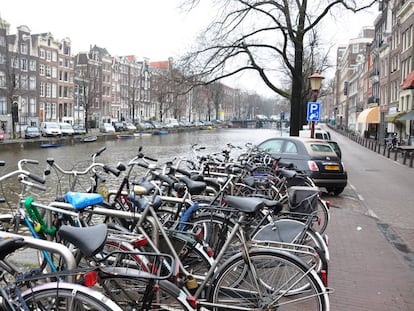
<point x="24" y="173"/>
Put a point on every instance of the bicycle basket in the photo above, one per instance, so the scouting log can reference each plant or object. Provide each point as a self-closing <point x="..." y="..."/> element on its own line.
<point x="303" y="199"/>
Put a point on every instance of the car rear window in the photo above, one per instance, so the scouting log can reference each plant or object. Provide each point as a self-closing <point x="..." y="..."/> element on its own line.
<point x="321" y="148"/>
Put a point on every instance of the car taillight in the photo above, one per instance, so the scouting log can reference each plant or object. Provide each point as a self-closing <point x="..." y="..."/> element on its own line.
<point x="313" y="166"/>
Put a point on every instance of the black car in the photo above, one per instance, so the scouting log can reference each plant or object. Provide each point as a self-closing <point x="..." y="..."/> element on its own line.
<point x="118" y="126"/>
<point x="313" y="157"/>
<point x="31" y="132"/>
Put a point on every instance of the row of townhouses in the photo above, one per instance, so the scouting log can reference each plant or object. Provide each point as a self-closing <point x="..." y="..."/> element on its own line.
<point x="372" y="93"/>
<point x="42" y="80"/>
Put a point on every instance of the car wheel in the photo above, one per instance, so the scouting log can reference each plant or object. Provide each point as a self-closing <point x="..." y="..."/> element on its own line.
<point x="335" y="191"/>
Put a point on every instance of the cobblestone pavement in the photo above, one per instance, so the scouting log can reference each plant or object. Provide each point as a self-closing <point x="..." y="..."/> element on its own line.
<point x="366" y="271"/>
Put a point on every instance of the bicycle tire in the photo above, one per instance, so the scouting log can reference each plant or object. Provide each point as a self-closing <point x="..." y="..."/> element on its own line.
<point x="68" y="297"/>
<point x="131" y="293"/>
<point x="323" y="217"/>
<point x="283" y="282"/>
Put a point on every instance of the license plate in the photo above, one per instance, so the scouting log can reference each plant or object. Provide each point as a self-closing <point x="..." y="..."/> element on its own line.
<point x="332" y="167"/>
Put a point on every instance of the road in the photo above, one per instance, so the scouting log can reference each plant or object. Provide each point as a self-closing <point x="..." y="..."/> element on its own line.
<point x="371" y="233"/>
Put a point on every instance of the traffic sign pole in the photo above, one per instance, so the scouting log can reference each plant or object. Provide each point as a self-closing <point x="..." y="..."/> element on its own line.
<point x="312" y="129"/>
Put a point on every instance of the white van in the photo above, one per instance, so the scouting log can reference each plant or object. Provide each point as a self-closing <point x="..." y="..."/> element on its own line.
<point x="50" y="129"/>
<point x="319" y="134"/>
<point x="171" y="122"/>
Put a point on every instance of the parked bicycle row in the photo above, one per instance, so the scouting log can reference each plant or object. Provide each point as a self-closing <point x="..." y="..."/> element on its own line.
<point x="228" y="230"/>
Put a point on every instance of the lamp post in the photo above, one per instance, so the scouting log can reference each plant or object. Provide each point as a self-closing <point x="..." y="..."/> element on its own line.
<point x="315" y="83"/>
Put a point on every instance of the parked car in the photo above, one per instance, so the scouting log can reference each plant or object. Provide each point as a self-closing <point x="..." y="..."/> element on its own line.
<point x="171" y="123"/>
<point x="118" y="126"/>
<point x="79" y="129"/>
<point x="106" y="128"/>
<point x="156" y="124"/>
<point x="335" y="147"/>
<point x="50" y="129"/>
<point x="128" y="126"/>
<point x="67" y="129"/>
<point x="145" y="125"/>
<point x="313" y="157"/>
<point x="31" y="132"/>
<point x="2" y="135"/>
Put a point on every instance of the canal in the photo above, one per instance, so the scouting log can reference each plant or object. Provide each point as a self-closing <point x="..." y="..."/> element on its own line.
<point x="162" y="147"/>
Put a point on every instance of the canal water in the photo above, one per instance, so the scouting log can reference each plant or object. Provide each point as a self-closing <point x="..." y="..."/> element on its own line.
<point x="162" y="147"/>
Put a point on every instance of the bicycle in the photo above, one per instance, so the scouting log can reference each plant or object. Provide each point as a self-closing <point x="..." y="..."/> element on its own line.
<point x="23" y="291"/>
<point x="254" y="257"/>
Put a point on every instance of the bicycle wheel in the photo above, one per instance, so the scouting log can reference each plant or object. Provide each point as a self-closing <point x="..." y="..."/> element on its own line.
<point x="138" y="293"/>
<point x="214" y="230"/>
<point x="68" y="297"/>
<point x="268" y="280"/>
<point x="322" y="217"/>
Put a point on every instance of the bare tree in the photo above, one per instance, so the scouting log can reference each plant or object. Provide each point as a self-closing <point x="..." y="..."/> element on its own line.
<point x="265" y="37"/>
<point x="88" y="80"/>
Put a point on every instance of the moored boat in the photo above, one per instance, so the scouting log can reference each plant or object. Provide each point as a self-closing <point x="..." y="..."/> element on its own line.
<point x="124" y="136"/>
<point x="89" y="139"/>
<point x="160" y="132"/>
<point x="142" y="134"/>
<point x="51" y="145"/>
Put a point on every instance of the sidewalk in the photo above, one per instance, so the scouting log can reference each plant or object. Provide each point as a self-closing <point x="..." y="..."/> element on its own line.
<point x="366" y="271"/>
<point x="401" y="156"/>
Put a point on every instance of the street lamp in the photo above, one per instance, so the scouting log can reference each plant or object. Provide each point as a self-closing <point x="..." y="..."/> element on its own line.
<point x="315" y="82"/>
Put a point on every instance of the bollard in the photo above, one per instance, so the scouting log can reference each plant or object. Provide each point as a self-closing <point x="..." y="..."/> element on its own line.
<point x="388" y="153"/>
<point x="411" y="159"/>
<point x="385" y="148"/>
<point x="395" y="155"/>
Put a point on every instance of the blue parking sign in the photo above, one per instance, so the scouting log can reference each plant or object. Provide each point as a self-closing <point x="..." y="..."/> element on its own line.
<point x="314" y="111"/>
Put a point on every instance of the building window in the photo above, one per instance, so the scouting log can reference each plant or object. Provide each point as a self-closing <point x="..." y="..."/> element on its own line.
<point x="2" y="79"/>
<point x="42" y="92"/>
<point x="42" y="69"/>
<point x="23" y="48"/>
<point x="48" y="71"/>
<point x="48" y="90"/>
<point x="54" y="90"/>
<point x="355" y="48"/>
<point x="23" y="64"/>
<point x="23" y="82"/>
<point x="48" y="55"/>
<point x="32" y="83"/>
<point x="54" y="56"/>
<point x="54" y="72"/>
<point x="32" y="107"/>
<point x="32" y="65"/>
<point x="42" y="53"/>
<point x="53" y="110"/>
<point x="15" y="62"/>
<point x="3" y="105"/>
<point x="2" y="41"/>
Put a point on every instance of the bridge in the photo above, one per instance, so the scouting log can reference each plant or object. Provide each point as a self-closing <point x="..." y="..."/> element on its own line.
<point x="259" y="123"/>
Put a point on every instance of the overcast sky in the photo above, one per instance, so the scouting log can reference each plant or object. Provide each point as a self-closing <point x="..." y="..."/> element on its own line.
<point x="156" y="29"/>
